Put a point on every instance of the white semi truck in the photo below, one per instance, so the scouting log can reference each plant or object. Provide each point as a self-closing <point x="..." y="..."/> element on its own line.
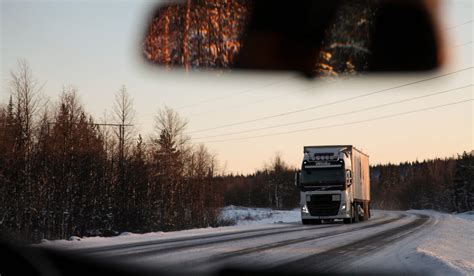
<point x="334" y="183"/>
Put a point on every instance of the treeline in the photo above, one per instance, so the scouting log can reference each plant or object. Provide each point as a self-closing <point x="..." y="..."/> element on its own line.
<point x="440" y="184"/>
<point x="270" y="187"/>
<point x="62" y="173"/>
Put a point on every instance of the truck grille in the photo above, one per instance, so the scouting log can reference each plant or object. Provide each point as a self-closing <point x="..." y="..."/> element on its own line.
<point x="322" y="205"/>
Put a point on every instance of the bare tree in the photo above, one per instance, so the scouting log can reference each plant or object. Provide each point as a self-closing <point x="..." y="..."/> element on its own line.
<point x="169" y="153"/>
<point x="25" y="91"/>
<point x="169" y="122"/>
<point x="124" y="115"/>
<point x="26" y="97"/>
<point x="277" y="181"/>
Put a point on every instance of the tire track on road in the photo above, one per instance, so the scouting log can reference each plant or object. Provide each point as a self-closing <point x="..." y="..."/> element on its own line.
<point x="163" y="250"/>
<point x="330" y="260"/>
<point x="241" y="252"/>
<point x="102" y="249"/>
<point x="140" y="253"/>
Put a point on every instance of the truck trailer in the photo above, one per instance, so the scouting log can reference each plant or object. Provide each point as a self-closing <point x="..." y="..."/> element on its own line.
<point x="334" y="183"/>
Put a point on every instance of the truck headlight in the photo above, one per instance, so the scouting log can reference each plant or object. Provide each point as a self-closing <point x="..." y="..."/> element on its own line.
<point x="304" y="210"/>
<point x="343" y="207"/>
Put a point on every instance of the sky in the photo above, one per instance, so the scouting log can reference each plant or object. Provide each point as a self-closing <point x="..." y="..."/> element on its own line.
<point x="95" y="47"/>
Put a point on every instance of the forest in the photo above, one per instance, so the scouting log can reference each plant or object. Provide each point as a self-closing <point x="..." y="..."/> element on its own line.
<point x="440" y="184"/>
<point x="64" y="173"/>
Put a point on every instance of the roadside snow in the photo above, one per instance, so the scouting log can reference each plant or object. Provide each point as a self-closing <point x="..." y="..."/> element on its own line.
<point x="444" y="247"/>
<point x="469" y="215"/>
<point x="247" y="216"/>
<point x="451" y="242"/>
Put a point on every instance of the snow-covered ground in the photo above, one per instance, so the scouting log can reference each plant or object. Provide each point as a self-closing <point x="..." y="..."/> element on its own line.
<point x="244" y="218"/>
<point x="249" y="216"/>
<point x="451" y="241"/>
<point x="446" y="246"/>
<point x="469" y="215"/>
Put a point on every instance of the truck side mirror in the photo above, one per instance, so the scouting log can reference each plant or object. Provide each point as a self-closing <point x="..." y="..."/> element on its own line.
<point x="298" y="178"/>
<point x="349" y="178"/>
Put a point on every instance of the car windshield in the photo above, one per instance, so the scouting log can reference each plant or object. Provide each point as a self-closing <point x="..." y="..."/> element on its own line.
<point x="170" y="135"/>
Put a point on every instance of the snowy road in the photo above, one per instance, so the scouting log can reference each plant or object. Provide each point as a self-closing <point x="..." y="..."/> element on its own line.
<point x="372" y="246"/>
<point x="423" y="242"/>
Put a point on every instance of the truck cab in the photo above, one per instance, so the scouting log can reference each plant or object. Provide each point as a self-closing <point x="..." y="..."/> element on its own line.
<point x="328" y="189"/>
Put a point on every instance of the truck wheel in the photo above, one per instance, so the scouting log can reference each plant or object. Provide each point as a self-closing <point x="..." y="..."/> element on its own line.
<point x="361" y="217"/>
<point x="355" y="213"/>
<point x="366" y="212"/>
<point x="305" y="221"/>
<point x="351" y="219"/>
<point x="317" y="221"/>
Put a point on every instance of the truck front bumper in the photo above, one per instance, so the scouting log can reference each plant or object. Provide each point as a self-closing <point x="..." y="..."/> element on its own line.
<point x="342" y="213"/>
<point x="338" y="216"/>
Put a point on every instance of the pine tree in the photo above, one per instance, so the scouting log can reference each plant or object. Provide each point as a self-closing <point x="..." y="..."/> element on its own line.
<point x="464" y="182"/>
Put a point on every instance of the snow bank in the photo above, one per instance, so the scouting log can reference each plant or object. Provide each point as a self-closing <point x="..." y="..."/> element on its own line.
<point x="469" y="215"/>
<point x="75" y="242"/>
<point x="245" y="215"/>
<point x="450" y="241"/>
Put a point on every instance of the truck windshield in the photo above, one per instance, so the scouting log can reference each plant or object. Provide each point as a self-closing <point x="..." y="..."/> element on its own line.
<point x="322" y="176"/>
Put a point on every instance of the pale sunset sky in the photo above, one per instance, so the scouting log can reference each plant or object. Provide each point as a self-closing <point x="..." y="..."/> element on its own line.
<point x="95" y="46"/>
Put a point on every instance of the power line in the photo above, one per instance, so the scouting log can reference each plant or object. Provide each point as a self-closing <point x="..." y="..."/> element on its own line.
<point x="339" y="114"/>
<point x="342" y="124"/>
<point x="91" y="124"/>
<point x="275" y="83"/>
<point x="330" y="103"/>
<point x="279" y="82"/>
<point x="278" y="96"/>
<point x="233" y="95"/>
<point x="260" y="100"/>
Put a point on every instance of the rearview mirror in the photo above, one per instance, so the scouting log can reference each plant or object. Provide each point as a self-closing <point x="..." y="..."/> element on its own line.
<point x="348" y="178"/>
<point x="316" y="38"/>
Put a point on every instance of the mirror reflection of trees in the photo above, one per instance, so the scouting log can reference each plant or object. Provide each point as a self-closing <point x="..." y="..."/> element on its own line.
<point x="197" y="34"/>
<point x="204" y="34"/>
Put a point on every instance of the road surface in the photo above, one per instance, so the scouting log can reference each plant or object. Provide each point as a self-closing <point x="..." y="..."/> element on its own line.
<point x="333" y="247"/>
